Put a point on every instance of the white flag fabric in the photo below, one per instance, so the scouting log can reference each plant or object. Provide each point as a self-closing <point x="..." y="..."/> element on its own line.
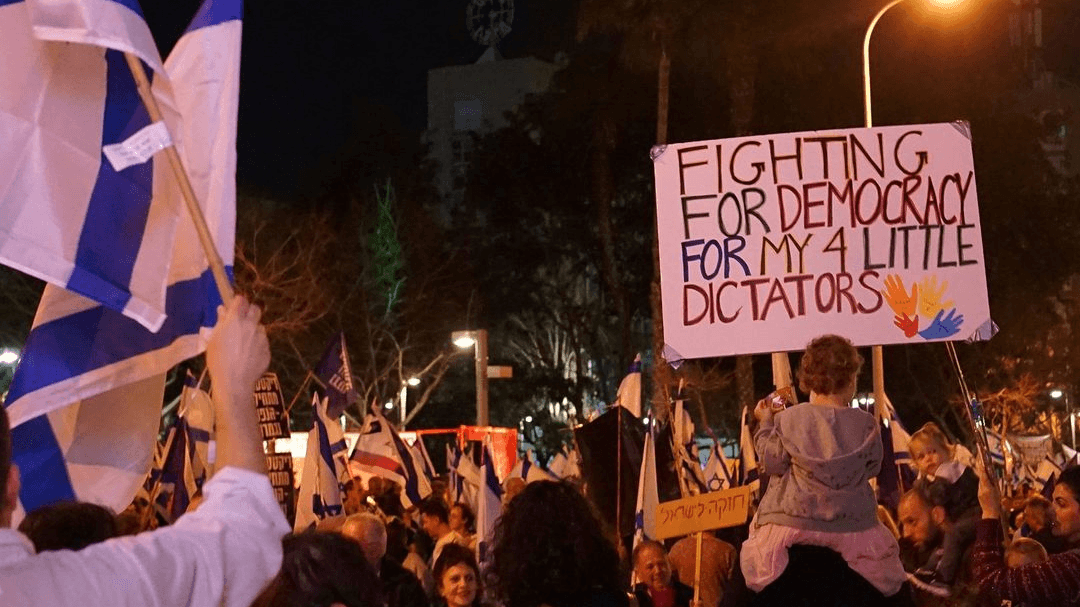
<point x="82" y="358"/>
<point x="629" y="394"/>
<point x="381" y="452"/>
<point x="325" y="469"/>
<point x="565" y="466"/>
<point x="529" y="471"/>
<point x="489" y="506"/>
<point x="748" y="466"/>
<point x="647" y="495"/>
<point x="70" y="216"/>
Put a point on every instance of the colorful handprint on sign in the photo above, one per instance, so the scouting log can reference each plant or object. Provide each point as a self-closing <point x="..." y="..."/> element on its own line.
<point x="924" y="301"/>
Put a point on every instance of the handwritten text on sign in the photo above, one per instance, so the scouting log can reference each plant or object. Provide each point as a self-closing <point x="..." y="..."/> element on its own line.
<point x="703" y="512"/>
<point x="279" y="466"/>
<point x="767" y="242"/>
<point x="270" y="406"/>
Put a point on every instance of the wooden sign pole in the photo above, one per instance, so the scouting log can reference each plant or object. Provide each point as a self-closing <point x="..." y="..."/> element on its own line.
<point x="697" y="570"/>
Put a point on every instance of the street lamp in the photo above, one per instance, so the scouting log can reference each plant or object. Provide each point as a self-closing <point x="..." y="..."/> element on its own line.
<point x="9" y="357"/>
<point x="404" y="396"/>
<point x="867" y="109"/>
<point x="1057" y="393"/>
<point x="479" y="341"/>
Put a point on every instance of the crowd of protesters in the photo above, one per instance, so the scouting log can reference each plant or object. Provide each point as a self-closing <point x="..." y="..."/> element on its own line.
<point x="818" y="536"/>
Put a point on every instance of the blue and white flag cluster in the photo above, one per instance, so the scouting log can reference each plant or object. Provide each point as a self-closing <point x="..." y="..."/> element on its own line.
<point x="88" y="208"/>
<point x="648" y="496"/>
<point x="325" y="470"/>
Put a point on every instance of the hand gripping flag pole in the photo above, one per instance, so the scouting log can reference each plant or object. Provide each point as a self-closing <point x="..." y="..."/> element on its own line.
<point x="213" y="258"/>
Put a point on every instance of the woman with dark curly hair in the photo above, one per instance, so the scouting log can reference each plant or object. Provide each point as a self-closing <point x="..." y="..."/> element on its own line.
<point x="457" y="577"/>
<point x="821" y="455"/>
<point x="322" y="569"/>
<point x="550" y="550"/>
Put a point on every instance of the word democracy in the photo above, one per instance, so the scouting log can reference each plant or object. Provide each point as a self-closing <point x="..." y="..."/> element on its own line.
<point x="822" y="198"/>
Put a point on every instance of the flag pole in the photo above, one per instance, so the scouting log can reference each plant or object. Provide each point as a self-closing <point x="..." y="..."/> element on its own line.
<point x="217" y="267"/>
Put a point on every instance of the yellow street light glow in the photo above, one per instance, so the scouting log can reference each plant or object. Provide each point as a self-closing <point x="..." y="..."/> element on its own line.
<point x="413" y="381"/>
<point x="464" y="342"/>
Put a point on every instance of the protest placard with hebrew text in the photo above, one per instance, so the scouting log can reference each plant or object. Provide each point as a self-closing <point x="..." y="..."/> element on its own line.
<point x="704" y="512"/>
<point x="767" y="242"/>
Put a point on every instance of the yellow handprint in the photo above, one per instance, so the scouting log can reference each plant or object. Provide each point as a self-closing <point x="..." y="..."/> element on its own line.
<point x="898" y="298"/>
<point x="930" y="297"/>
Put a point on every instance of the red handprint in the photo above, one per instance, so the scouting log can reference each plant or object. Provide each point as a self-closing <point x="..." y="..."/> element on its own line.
<point x="908" y="324"/>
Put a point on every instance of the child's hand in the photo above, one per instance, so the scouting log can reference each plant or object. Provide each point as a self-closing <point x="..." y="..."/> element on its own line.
<point x="763" y="411"/>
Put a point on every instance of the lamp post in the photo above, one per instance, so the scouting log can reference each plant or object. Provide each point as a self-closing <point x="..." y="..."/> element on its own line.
<point x="404" y="397"/>
<point x="478" y="340"/>
<point x="1058" y="393"/>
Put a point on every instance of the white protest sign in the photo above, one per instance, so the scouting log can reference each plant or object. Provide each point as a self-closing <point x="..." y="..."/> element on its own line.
<point x="767" y="242"/>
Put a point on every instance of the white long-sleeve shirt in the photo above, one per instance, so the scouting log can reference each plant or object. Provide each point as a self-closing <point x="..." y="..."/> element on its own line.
<point x="223" y="553"/>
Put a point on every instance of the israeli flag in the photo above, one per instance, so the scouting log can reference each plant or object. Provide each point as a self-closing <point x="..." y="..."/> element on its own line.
<point x="85" y="400"/>
<point x="647" y="495"/>
<point x="83" y="205"/>
<point x="381" y="452"/>
<point x="529" y="471"/>
<point x="717" y="475"/>
<point x="748" y="466"/>
<point x="489" y="506"/>
<point x="325" y="469"/>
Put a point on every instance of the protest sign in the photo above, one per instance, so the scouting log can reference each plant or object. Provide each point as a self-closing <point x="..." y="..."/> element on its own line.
<point x="280" y="468"/>
<point x="270" y="405"/>
<point x="703" y="512"/>
<point x="767" y="242"/>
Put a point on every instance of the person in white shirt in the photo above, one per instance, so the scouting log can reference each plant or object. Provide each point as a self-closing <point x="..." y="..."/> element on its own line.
<point x="435" y="521"/>
<point x="223" y="553"/>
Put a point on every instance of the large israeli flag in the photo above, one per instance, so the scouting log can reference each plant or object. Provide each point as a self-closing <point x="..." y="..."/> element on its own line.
<point x="85" y="400"/>
<point x="69" y="215"/>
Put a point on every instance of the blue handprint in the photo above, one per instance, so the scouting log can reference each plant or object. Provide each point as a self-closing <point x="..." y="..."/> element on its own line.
<point x="943" y="327"/>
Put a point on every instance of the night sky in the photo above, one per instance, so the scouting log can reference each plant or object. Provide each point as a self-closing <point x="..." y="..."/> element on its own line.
<point x="312" y="71"/>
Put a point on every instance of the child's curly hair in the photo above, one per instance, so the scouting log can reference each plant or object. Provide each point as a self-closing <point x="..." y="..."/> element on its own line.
<point x="828" y="365"/>
<point x="929" y="434"/>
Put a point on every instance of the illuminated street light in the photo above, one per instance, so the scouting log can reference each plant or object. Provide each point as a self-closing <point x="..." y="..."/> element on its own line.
<point x="868" y="110"/>
<point x="464" y="341"/>
<point x="413" y="381"/>
<point x="1056" y="393"/>
<point x="528" y="419"/>
<point x="469" y="339"/>
<point x="9" y="357"/>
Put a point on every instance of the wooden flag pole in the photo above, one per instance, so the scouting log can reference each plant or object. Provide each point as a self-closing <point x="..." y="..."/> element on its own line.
<point x="697" y="571"/>
<point x="781" y="370"/>
<point x="217" y="267"/>
<point x="879" y="383"/>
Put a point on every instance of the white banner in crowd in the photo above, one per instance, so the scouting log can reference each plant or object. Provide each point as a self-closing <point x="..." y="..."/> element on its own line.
<point x="767" y="242"/>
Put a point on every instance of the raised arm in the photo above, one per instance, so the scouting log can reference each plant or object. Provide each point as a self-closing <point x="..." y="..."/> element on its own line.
<point x="773" y="458"/>
<point x="220" y="554"/>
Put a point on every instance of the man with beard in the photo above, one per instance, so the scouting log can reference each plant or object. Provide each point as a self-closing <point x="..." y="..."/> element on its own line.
<point x="925" y="521"/>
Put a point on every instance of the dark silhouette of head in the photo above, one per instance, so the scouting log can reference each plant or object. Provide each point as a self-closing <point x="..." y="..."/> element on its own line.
<point x="550" y="549"/>
<point x="320" y="569"/>
<point x="68" y="525"/>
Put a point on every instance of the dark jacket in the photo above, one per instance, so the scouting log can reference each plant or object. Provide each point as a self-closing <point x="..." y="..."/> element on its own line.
<point x="400" y="586"/>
